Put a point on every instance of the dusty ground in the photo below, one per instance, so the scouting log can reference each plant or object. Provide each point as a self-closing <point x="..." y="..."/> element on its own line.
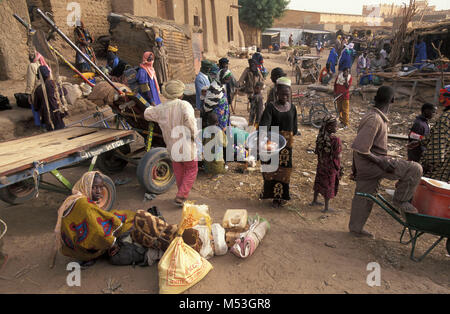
<point x="305" y="251"/>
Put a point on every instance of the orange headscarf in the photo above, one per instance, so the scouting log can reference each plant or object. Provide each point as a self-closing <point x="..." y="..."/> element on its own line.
<point x="148" y="67"/>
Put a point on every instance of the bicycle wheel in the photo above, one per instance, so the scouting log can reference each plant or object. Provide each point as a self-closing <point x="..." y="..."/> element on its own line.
<point x="317" y="117"/>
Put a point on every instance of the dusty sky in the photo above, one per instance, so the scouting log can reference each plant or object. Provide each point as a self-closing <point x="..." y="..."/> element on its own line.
<point x="352" y="6"/>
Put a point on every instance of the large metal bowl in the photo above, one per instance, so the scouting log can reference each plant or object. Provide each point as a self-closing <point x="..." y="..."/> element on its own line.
<point x="252" y="143"/>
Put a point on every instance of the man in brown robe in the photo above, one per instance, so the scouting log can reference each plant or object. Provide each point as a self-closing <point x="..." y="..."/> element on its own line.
<point x="161" y="62"/>
<point x="371" y="164"/>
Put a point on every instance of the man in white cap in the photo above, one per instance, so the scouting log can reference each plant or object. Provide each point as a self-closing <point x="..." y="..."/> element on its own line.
<point x="176" y="118"/>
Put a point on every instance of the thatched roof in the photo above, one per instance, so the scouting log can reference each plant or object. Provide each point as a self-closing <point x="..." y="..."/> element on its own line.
<point x="150" y="22"/>
<point x="431" y="29"/>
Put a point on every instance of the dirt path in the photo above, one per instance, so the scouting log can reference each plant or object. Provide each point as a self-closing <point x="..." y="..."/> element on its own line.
<point x="305" y="251"/>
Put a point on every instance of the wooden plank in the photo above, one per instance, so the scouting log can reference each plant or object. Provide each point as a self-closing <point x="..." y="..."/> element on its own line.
<point x="65" y="143"/>
<point x="42" y="139"/>
<point x="43" y="142"/>
<point x="61" y="145"/>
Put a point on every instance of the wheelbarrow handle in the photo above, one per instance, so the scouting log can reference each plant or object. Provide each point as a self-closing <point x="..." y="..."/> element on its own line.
<point x="384" y="205"/>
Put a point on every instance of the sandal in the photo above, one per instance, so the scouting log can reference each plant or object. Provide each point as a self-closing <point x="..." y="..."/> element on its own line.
<point x="179" y="202"/>
<point x="86" y="265"/>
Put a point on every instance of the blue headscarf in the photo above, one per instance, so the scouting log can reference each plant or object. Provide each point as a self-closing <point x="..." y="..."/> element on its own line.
<point x="159" y="40"/>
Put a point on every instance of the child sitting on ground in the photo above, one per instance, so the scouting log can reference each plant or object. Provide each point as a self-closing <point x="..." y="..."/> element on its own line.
<point x="214" y="142"/>
<point x="329" y="170"/>
<point x="256" y="105"/>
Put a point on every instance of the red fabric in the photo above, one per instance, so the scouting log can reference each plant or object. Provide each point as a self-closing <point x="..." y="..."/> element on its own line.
<point x="341" y="89"/>
<point x="445" y="97"/>
<point x="323" y="73"/>
<point x="148" y="67"/>
<point x="185" y="175"/>
<point x="328" y="168"/>
<point x="42" y="62"/>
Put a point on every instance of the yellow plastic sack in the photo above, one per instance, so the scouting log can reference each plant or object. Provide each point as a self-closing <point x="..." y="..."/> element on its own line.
<point x="181" y="267"/>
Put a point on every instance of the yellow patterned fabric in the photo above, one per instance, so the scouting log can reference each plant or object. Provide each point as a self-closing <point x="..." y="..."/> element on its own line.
<point x="83" y="230"/>
<point x="87" y="232"/>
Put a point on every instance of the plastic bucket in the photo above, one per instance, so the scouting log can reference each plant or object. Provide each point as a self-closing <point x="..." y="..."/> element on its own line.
<point x="432" y="198"/>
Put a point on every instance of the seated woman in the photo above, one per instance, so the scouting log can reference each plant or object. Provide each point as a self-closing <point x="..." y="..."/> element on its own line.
<point x="325" y="75"/>
<point x="84" y="231"/>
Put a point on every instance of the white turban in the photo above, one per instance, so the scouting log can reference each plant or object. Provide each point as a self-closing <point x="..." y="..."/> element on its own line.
<point x="173" y="89"/>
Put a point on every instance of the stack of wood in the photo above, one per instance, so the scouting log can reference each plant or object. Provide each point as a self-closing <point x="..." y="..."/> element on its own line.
<point x="400" y="35"/>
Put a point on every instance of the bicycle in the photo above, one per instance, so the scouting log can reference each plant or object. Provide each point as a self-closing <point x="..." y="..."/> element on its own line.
<point x="317" y="111"/>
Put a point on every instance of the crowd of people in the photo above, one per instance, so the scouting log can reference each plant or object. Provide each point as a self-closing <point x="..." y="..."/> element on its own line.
<point x="86" y="232"/>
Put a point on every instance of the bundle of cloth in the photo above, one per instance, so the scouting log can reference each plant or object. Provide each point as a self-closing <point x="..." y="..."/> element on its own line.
<point x="103" y="94"/>
<point x="246" y="245"/>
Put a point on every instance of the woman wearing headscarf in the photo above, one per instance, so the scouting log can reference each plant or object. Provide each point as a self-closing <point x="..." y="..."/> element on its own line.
<point x="161" y="62"/>
<point x="274" y="76"/>
<point x="84" y="40"/>
<point x="332" y="60"/>
<point x="230" y="85"/>
<point x="280" y="116"/>
<point x="48" y="101"/>
<point x="329" y="170"/>
<point x="147" y="80"/>
<point x="248" y="79"/>
<point x="176" y="118"/>
<point x="216" y="101"/>
<point x="84" y="231"/>
<point x="346" y="60"/>
<point x="36" y="60"/>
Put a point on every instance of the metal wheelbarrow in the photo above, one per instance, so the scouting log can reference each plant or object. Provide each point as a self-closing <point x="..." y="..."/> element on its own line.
<point x="415" y="225"/>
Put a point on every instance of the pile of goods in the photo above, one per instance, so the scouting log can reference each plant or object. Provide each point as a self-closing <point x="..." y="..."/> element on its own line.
<point x="183" y="250"/>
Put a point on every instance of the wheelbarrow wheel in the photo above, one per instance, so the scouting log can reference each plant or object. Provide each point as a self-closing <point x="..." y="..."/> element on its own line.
<point x="317" y="117"/>
<point x="155" y="172"/>
<point x="19" y="193"/>
<point x="109" y="194"/>
<point x="109" y="163"/>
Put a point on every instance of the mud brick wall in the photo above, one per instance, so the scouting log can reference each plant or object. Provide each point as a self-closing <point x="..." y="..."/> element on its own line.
<point x="13" y="40"/>
<point x="94" y="14"/>
<point x="134" y="42"/>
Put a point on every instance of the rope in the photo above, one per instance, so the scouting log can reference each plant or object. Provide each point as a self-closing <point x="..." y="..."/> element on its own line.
<point x="4" y="231"/>
<point x="36" y="177"/>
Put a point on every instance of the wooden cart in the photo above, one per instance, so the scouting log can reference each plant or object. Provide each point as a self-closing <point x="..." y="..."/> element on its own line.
<point x="25" y="161"/>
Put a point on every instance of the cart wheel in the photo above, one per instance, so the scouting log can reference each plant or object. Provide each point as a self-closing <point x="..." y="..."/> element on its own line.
<point x="109" y="163"/>
<point x="109" y="194"/>
<point x="448" y="246"/>
<point x="317" y="117"/>
<point x="19" y="193"/>
<point x="155" y="171"/>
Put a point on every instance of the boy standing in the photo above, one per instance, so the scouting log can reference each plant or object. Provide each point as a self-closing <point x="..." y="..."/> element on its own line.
<point x="256" y="105"/>
<point x="419" y="130"/>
